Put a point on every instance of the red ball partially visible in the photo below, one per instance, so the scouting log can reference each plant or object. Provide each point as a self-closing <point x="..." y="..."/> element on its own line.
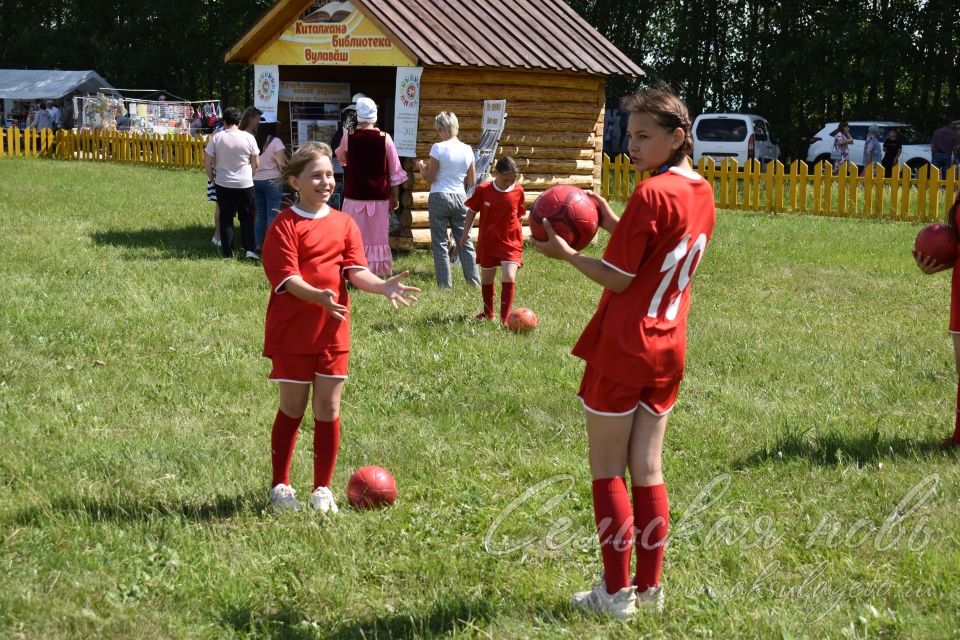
<point x="522" y="320"/>
<point x="938" y="242"/>
<point x="571" y="212"/>
<point x="371" y="487"/>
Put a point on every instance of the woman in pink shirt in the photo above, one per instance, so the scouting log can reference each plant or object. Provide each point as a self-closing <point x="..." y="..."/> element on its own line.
<point x="371" y="184"/>
<point x="267" y="190"/>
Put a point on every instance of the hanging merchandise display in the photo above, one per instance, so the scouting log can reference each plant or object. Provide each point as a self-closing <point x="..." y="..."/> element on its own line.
<point x="164" y="116"/>
<point x="159" y="117"/>
<point x="99" y="112"/>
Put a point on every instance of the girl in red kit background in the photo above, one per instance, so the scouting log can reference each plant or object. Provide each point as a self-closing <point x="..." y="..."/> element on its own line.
<point x="310" y="253"/>
<point x="928" y="265"/>
<point x="500" y="239"/>
<point x="635" y="345"/>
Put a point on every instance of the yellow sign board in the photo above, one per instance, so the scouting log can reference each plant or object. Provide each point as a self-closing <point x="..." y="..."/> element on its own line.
<point x="334" y="33"/>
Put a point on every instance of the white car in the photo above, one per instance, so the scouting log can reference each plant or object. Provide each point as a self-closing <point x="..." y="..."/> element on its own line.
<point x="741" y="136"/>
<point x="915" y="153"/>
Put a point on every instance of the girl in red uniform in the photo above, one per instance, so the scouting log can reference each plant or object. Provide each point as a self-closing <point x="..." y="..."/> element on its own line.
<point x="500" y="240"/>
<point x="309" y="254"/>
<point x="635" y="344"/>
<point x="928" y="265"/>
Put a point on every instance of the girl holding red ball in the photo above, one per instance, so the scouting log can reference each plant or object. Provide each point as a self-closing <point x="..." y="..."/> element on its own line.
<point x="635" y="345"/>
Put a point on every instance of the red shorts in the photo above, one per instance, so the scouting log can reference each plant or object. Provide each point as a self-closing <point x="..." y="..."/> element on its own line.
<point x="302" y="368"/>
<point x="605" y="397"/>
<point x="493" y="263"/>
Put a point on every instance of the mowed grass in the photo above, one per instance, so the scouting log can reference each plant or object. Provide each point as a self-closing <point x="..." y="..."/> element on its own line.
<point x="808" y="495"/>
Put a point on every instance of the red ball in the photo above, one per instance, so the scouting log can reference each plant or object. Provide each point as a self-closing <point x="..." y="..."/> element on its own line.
<point x="938" y="242"/>
<point x="371" y="487"/>
<point x="571" y="213"/>
<point x="522" y="320"/>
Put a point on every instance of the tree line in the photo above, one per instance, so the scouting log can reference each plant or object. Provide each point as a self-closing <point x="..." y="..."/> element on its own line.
<point x="798" y="63"/>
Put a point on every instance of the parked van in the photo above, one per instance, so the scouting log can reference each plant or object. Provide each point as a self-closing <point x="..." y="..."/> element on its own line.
<point x="741" y="136"/>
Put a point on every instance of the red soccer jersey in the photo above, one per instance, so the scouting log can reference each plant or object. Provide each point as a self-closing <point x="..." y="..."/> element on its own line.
<point x="954" y="326"/>
<point x="501" y="236"/>
<point x="639" y="337"/>
<point x="318" y="249"/>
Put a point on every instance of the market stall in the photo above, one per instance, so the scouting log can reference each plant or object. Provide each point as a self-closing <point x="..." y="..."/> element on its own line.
<point x="21" y="90"/>
<point x="541" y="58"/>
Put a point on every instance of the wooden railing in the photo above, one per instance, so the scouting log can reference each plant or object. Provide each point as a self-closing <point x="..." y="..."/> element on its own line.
<point x="798" y="188"/>
<point x="776" y="188"/>
<point x="170" y="150"/>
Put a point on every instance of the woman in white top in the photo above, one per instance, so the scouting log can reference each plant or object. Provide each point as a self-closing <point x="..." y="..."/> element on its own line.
<point x="233" y="156"/>
<point x="267" y="189"/>
<point x="450" y="172"/>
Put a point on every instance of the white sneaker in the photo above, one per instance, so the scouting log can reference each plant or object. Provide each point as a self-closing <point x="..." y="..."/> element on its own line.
<point x="252" y="255"/>
<point x="621" y="605"/>
<point x="651" y="599"/>
<point x="322" y="500"/>
<point x="284" y="497"/>
<point x="215" y="241"/>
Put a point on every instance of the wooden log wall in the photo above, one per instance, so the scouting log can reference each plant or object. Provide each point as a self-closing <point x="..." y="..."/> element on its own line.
<point x="554" y="130"/>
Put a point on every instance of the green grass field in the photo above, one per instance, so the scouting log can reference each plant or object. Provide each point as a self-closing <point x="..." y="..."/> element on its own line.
<point x="808" y="495"/>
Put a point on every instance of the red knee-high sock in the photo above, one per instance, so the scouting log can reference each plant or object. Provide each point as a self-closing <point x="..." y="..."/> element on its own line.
<point x="326" y="445"/>
<point x="956" y="425"/>
<point x="651" y="521"/>
<point x="486" y="291"/>
<point x="506" y="299"/>
<point x="611" y="512"/>
<point x="282" y="440"/>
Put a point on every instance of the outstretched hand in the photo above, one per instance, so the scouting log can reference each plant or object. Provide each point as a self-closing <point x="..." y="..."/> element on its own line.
<point x="397" y="292"/>
<point x="328" y="299"/>
<point x="927" y="264"/>
<point x="554" y="246"/>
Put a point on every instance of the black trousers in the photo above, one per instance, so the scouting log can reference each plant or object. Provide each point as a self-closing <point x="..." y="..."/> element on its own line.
<point x="237" y="202"/>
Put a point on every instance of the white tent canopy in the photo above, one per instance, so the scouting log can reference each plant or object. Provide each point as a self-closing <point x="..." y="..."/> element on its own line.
<point x="39" y="84"/>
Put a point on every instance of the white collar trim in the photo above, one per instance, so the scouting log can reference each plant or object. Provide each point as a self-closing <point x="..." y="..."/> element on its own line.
<point x="686" y="173"/>
<point x="494" y="183"/>
<point x="323" y="213"/>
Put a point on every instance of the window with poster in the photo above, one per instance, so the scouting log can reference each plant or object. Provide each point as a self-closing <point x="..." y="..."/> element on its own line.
<point x="316" y="113"/>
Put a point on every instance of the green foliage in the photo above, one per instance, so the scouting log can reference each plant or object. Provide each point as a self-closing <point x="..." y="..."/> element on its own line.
<point x="135" y="417"/>
<point x="800" y="64"/>
<point x="176" y="46"/>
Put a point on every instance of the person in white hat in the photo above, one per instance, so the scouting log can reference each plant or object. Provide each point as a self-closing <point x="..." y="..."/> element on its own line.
<point x="371" y="184"/>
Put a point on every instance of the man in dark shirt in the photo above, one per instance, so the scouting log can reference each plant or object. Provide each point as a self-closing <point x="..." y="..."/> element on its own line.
<point x="941" y="147"/>
<point x="892" y="147"/>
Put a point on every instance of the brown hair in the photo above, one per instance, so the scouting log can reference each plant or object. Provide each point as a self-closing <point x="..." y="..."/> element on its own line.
<point x="505" y="165"/>
<point x="669" y="112"/>
<point x="302" y="157"/>
<point x="250" y="115"/>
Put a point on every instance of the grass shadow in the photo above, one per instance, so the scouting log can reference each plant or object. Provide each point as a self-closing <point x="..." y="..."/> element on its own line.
<point x="98" y="510"/>
<point x="290" y="623"/>
<point x="830" y="448"/>
<point x="439" y="319"/>
<point x="191" y="242"/>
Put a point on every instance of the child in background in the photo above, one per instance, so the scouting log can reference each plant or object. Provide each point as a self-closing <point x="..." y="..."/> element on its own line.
<point x="309" y="254"/>
<point x="500" y="240"/>
<point x="635" y="346"/>
<point x="928" y="265"/>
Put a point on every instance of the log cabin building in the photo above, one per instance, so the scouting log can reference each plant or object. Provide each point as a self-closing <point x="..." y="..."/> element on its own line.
<point x="541" y="57"/>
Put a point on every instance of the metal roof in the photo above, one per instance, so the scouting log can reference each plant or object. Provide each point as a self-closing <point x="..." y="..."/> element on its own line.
<point x="40" y="84"/>
<point x="519" y="34"/>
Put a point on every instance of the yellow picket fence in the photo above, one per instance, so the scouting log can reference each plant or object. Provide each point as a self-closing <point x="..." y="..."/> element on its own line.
<point x="170" y="150"/>
<point x="774" y="188"/>
<point x="802" y="189"/>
